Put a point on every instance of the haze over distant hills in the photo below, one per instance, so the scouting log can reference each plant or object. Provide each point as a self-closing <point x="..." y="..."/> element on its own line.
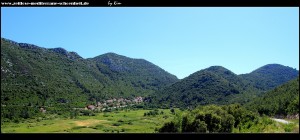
<point x="32" y="75"/>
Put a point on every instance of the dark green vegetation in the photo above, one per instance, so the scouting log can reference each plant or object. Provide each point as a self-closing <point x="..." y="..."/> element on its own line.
<point x="37" y="83"/>
<point x="208" y="86"/>
<point x="211" y="118"/>
<point x="283" y="100"/>
<point x="270" y="76"/>
<point x="217" y="85"/>
<point x="225" y="119"/>
<point x="32" y="77"/>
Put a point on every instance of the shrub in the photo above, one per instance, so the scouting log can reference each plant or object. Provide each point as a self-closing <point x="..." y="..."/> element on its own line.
<point x="288" y="127"/>
<point x="116" y="124"/>
<point x="87" y="113"/>
<point x="169" y="127"/>
<point x="120" y="120"/>
<point x="130" y="123"/>
<point x="78" y="127"/>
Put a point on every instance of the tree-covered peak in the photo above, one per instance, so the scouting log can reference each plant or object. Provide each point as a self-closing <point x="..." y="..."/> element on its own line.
<point x="117" y="57"/>
<point x="120" y="63"/>
<point x="220" y="70"/>
<point x="274" y="68"/>
<point x="271" y="75"/>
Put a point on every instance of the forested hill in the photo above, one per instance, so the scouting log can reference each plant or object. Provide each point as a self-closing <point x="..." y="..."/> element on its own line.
<point x="270" y="76"/>
<point x="283" y="100"/>
<point x="218" y="85"/>
<point x="214" y="85"/>
<point x="139" y="72"/>
<point x="36" y="76"/>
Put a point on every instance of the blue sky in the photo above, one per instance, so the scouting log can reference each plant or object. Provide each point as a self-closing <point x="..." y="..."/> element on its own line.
<point x="179" y="40"/>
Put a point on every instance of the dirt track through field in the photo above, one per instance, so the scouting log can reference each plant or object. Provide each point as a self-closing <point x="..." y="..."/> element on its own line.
<point x="281" y="120"/>
<point x="89" y="122"/>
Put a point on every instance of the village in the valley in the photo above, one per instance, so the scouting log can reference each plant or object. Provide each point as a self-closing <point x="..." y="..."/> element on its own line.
<point x="114" y="103"/>
<point x="108" y="104"/>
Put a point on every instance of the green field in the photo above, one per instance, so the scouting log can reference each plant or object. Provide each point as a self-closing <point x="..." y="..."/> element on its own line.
<point x="132" y="121"/>
<point x="127" y="121"/>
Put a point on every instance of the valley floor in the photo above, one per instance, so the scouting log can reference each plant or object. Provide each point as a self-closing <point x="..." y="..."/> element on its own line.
<point x="132" y="121"/>
<point x="125" y="121"/>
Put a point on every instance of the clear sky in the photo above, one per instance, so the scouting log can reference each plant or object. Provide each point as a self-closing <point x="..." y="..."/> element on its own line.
<point x="179" y="40"/>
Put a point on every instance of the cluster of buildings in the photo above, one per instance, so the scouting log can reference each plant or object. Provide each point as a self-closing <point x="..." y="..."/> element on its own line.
<point x="115" y="103"/>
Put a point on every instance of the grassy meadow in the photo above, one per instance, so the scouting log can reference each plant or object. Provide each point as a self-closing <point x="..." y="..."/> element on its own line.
<point x="130" y="121"/>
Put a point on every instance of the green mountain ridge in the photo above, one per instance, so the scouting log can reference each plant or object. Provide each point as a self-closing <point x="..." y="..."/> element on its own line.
<point x="36" y="76"/>
<point x="133" y="68"/>
<point x="269" y="76"/>
<point x="32" y="75"/>
<point x="218" y="85"/>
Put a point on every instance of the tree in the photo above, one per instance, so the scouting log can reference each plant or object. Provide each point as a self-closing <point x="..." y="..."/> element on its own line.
<point x="227" y="123"/>
<point x="172" y="110"/>
<point x="74" y="114"/>
<point x="169" y="127"/>
<point x="213" y="122"/>
<point x="25" y="113"/>
<point x="185" y="125"/>
<point x="199" y="126"/>
<point x="293" y="107"/>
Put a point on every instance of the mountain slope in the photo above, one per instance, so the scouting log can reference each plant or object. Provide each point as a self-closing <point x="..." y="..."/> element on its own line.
<point x="35" y="76"/>
<point x="214" y="85"/>
<point x="217" y="85"/>
<point x="283" y="100"/>
<point x="270" y="76"/>
<point x="139" y="72"/>
<point x="31" y="75"/>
